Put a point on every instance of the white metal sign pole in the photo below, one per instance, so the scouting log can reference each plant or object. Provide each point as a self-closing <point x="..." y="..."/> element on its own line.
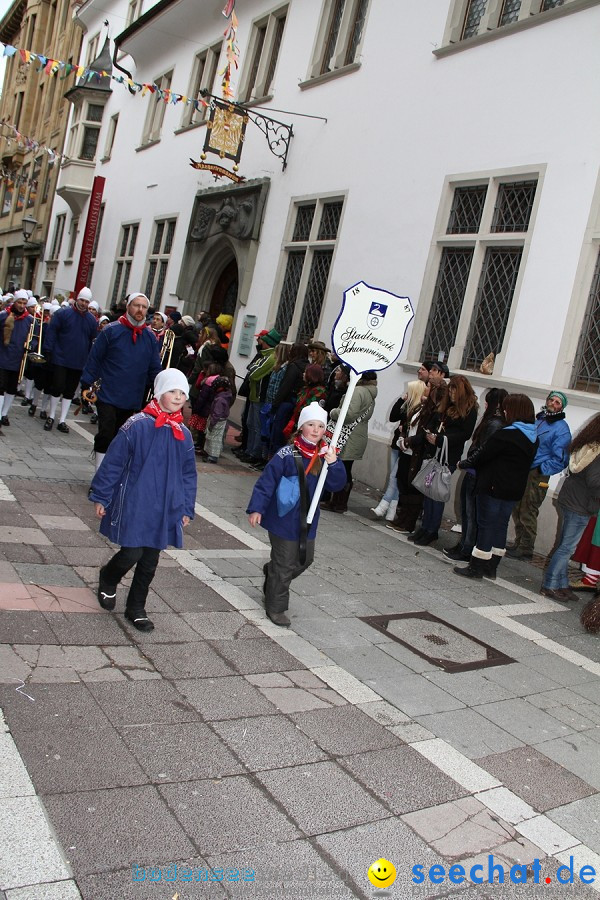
<point x="354" y="379"/>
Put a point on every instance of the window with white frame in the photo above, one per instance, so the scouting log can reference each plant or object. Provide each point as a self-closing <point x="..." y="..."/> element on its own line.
<point x="203" y="78"/>
<point x="57" y="237"/>
<point x="124" y="262"/>
<point x="85" y="131"/>
<point x="91" y="52"/>
<point x="95" y="244"/>
<point x="477" y="259"/>
<point x="73" y="232"/>
<point x="262" y="55"/>
<point x="156" y="110"/>
<point x="134" y="11"/>
<point x="110" y="137"/>
<point x="308" y="253"/>
<point x="340" y="36"/>
<point x="469" y="18"/>
<point x="158" y="260"/>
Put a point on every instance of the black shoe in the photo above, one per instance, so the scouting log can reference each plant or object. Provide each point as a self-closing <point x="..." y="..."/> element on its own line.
<point x="139" y="621"/>
<point x="517" y="553"/>
<point x="31" y="410"/>
<point x="93" y="418"/>
<point x="415" y="535"/>
<point x="25" y="402"/>
<point x="426" y="538"/>
<point x="279" y="619"/>
<point x="48" y="424"/>
<point x="4" y="420"/>
<point x="457" y="554"/>
<point x="62" y="426"/>
<point x="43" y="414"/>
<point x="87" y="409"/>
<point x="260" y="465"/>
<point x="107" y="593"/>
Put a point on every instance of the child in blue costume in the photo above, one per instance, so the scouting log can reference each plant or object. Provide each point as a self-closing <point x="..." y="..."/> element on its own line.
<point x="144" y="493"/>
<point x="284" y="530"/>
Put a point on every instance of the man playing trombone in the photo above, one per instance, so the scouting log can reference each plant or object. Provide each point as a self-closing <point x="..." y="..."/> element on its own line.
<point x="15" y="326"/>
<point x="68" y="340"/>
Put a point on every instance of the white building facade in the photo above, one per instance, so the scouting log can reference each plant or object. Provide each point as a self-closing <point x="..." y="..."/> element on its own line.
<point x="445" y="150"/>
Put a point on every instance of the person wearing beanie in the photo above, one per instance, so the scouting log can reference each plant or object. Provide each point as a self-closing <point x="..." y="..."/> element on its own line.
<point x="66" y="344"/>
<point x="125" y="359"/>
<point x="15" y="322"/>
<point x="144" y="493"/>
<point x="313" y="391"/>
<point x="224" y="322"/>
<point x="551" y="458"/>
<point x="280" y="501"/>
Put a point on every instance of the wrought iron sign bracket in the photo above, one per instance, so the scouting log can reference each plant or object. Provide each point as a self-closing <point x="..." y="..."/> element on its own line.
<point x="278" y="134"/>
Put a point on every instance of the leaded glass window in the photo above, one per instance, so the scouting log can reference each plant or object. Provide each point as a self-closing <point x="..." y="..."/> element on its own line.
<point x="356" y="31"/>
<point x="475" y="12"/>
<point x="304" y="219"/>
<point x="315" y="294"/>
<point x="551" y="4"/>
<point x="492" y="304"/>
<point x="289" y="290"/>
<point x="467" y="209"/>
<point x="332" y="36"/>
<point x="158" y="262"/>
<point x="513" y="206"/>
<point x="124" y="260"/>
<point x="447" y="302"/>
<point x="586" y="369"/>
<point x="510" y="11"/>
<point x="330" y="221"/>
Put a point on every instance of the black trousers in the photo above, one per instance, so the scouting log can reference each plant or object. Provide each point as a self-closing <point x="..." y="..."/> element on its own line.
<point x="110" y="419"/>
<point x="283" y="567"/>
<point x="64" y="382"/>
<point x="145" y="560"/>
<point x="8" y="381"/>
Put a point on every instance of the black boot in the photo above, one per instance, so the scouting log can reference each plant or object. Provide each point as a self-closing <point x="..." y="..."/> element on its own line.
<point x="416" y="535"/>
<point x="339" y="500"/>
<point x="491" y="566"/>
<point x="457" y="553"/>
<point x="475" y="569"/>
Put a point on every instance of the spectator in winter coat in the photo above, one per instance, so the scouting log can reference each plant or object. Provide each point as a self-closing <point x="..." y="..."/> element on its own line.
<point x="502" y="466"/>
<point x="362" y="406"/>
<point x="491" y="422"/>
<point x="217" y="418"/>
<point x="125" y="357"/>
<point x="68" y="340"/>
<point x="457" y="425"/>
<point x="578" y="500"/>
<point x="287" y="394"/>
<point x="259" y="382"/>
<point x="313" y="391"/>
<point x="552" y="457"/>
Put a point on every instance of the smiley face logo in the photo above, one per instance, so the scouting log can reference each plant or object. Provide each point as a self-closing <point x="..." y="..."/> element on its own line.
<point x="381" y="873"/>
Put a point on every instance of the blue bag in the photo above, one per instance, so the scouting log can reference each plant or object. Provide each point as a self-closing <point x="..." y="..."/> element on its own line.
<point x="288" y="494"/>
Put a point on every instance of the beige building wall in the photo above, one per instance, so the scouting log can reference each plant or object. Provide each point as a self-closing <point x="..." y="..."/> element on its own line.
<point x="34" y="103"/>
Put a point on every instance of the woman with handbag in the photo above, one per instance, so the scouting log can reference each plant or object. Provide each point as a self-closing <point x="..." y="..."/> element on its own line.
<point x="355" y="434"/>
<point x="280" y="502"/>
<point x="502" y="469"/>
<point x="457" y="425"/>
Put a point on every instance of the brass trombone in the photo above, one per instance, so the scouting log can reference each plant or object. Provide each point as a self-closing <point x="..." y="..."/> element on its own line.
<point x="32" y="355"/>
<point x="167" y="348"/>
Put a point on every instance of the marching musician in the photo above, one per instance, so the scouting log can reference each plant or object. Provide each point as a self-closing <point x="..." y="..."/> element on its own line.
<point x="158" y="327"/>
<point x="15" y="324"/>
<point x="40" y="319"/>
<point x="67" y="343"/>
<point x="125" y="358"/>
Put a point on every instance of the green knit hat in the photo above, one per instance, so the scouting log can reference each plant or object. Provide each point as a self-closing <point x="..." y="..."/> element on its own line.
<point x="272" y="338"/>
<point x="560" y="396"/>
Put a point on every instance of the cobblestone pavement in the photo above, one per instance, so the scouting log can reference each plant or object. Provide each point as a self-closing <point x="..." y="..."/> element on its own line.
<point x="221" y="756"/>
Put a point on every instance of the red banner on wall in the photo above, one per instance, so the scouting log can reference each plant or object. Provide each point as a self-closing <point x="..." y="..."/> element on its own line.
<point x="89" y="234"/>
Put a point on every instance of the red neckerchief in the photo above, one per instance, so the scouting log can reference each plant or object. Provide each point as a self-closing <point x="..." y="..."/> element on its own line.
<point x="310" y="451"/>
<point x="157" y="334"/>
<point x="136" y="329"/>
<point x="164" y="418"/>
<point x="17" y="316"/>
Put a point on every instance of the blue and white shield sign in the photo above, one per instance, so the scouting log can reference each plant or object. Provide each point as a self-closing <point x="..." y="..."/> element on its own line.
<point x="369" y="332"/>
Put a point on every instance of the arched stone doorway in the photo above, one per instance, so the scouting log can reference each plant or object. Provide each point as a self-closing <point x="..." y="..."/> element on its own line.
<point x="225" y="294"/>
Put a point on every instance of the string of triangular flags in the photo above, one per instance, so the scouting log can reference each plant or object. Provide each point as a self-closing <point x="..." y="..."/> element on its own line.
<point x="28" y="143"/>
<point x="52" y="67"/>
<point x="14" y="178"/>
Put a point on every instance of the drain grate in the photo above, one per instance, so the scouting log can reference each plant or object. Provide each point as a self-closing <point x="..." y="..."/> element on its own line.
<point x="455" y="650"/>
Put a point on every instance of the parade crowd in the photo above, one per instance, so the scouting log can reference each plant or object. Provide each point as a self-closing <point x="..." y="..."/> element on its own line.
<point x="114" y="364"/>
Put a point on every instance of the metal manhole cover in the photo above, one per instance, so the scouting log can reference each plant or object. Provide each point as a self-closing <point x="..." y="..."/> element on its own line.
<point x="438" y="641"/>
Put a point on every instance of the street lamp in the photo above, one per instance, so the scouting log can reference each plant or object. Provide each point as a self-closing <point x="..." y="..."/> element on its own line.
<point x="28" y="225"/>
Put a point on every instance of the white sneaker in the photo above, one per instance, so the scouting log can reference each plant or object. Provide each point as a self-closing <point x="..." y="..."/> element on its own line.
<point x="380" y="509"/>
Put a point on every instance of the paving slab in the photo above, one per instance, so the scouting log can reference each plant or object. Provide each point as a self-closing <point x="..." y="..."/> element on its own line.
<point x="224" y="698"/>
<point x="28" y="853"/>
<point x="119" y="885"/>
<point x="228" y="827"/>
<point x="322" y="797"/>
<point x="470" y="732"/>
<point x="187" y="660"/>
<point x="416" y="696"/>
<point x="146" y="703"/>
<point x="524" y="721"/>
<point x="252" y="657"/>
<point x="268" y="742"/>
<point x="582" y="819"/>
<point x="344" y="730"/>
<point x="102" y="834"/>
